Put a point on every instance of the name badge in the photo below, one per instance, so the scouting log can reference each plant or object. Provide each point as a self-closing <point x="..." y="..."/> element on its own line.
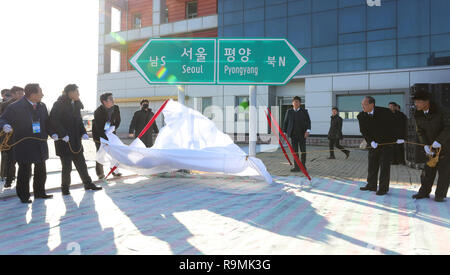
<point x="36" y="127"/>
<point x="107" y="125"/>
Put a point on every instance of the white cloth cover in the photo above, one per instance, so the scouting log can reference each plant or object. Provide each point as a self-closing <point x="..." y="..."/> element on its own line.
<point x="189" y="141"/>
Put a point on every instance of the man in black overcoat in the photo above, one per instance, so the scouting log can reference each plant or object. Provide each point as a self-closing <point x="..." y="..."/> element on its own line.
<point x="140" y="120"/>
<point x="378" y="127"/>
<point x="66" y="121"/>
<point x="28" y="117"/>
<point x="297" y="125"/>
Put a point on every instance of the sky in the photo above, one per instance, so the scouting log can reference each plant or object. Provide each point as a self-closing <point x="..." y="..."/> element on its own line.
<point x="50" y="42"/>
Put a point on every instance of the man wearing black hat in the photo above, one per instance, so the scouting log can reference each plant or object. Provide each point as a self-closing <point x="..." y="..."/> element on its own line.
<point x="377" y="125"/>
<point x="297" y="125"/>
<point x="402" y="122"/>
<point x="433" y="129"/>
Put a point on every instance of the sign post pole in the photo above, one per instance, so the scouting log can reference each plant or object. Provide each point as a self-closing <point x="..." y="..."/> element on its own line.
<point x="253" y="121"/>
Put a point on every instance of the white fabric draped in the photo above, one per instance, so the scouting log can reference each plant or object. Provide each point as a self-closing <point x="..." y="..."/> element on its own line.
<point x="188" y="141"/>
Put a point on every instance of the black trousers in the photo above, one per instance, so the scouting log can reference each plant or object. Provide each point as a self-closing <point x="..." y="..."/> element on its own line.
<point x="23" y="180"/>
<point x="399" y="154"/>
<point x="335" y="142"/>
<point x="80" y="165"/>
<point x="380" y="161"/>
<point x="296" y="143"/>
<point x="429" y="174"/>
<point x="8" y="166"/>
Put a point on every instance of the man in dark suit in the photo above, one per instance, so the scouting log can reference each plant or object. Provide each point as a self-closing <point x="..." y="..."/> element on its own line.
<point x="66" y="120"/>
<point x="378" y="126"/>
<point x="402" y="124"/>
<point x="297" y="125"/>
<point x="28" y="117"/>
<point x="8" y="165"/>
<point x="140" y="120"/>
<point x="106" y="119"/>
<point x="433" y="129"/>
<point x="335" y="134"/>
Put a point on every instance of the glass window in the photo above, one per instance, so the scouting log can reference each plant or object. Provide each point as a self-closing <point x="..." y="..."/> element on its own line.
<point x="413" y="18"/>
<point x="352" y="20"/>
<point x="276" y="11"/>
<point x="440" y="42"/>
<point x="191" y="9"/>
<point x="137" y="21"/>
<point x="276" y="28"/>
<point x="232" y="18"/>
<point x="233" y="5"/>
<point x="440" y="16"/>
<point x="350" y="51"/>
<point x="381" y="48"/>
<point x="254" y="29"/>
<point x="274" y="2"/>
<point x="413" y="60"/>
<point x="353" y="65"/>
<point x="324" y="67"/>
<point x="352" y="38"/>
<point x="299" y="31"/>
<point x="206" y="102"/>
<point x="324" y="28"/>
<point x="381" y="63"/>
<point x="324" y="54"/>
<point x="115" y="61"/>
<point x="350" y="106"/>
<point x="249" y="4"/>
<point x="299" y="7"/>
<point x="381" y="35"/>
<point x="349" y="3"/>
<point x="383" y="17"/>
<point x="164" y="12"/>
<point x="414" y="45"/>
<point x="233" y="31"/>
<point x="242" y="103"/>
<point x="254" y="15"/>
<point x="115" y="19"/>
<point x="321" y="5"/>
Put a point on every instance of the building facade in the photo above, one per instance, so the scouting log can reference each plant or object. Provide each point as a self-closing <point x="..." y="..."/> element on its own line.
<point x="353" y="47"/>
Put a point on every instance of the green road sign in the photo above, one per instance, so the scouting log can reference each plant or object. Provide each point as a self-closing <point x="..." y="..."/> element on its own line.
<point x="264" y="61"/>
<point x="177" y="61"/>
<point x="233" y="61"/>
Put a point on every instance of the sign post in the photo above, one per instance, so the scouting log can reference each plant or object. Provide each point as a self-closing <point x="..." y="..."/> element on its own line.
<point x="219" y="61"/>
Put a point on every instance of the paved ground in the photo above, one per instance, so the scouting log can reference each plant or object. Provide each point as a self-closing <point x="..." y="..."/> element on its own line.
<point x="209" y="214"/>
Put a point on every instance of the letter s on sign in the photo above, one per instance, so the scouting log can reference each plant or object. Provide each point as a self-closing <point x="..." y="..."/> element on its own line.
<point x="372" y="3"/>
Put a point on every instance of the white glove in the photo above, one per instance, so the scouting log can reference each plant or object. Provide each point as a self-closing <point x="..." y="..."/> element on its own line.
<point x="400" y="141"/>
<point x="436" y="145"/>
<point x="66" y="138"/>
<point x="374" y="145"/>
<point x="85" y="137"/>
<point x="7" y="128"/>
<point x="428" y="150"/>
<point x="55" y="137"/>
<point x="110" y="129"/>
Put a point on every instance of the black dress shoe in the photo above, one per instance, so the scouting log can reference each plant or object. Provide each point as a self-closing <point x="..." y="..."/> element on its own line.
<point x="7" y="185"/>
<point x="65" y="191"/>
<point x="368" y="188"/>
<point x="331" y="157"/>
<point x="28" y="201"/>
<point x="295" y="170"/>
<point x="92" y="187"/>
<point x="381" y="193"/>
<point x="347" y="154"/>
<point x="419" y="196"/>
<point x="43" y="196"/>
<point x="439" y="199"/>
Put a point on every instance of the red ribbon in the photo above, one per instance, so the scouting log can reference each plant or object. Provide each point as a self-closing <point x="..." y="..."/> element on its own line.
<point x="299" y="163"/>
<point x="279" y="141"/>
<point x="149" y="124"/>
